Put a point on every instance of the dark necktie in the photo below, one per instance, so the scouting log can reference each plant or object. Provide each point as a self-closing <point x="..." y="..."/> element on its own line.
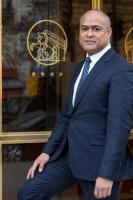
<point x="84" y="73"/>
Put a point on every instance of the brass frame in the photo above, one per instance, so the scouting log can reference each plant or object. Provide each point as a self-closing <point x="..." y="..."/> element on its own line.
<point x="22" y="137"/>
<point x="97" y="4"/>
<point x="1" y="100"/>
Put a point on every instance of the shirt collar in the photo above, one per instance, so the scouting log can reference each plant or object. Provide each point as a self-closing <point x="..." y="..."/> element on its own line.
<point x="95" y="57"/>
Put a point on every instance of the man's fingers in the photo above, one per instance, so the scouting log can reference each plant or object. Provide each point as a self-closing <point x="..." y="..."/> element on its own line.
<point x="103" y="187"/>
<point x="32" y="170"/>
<point x="41" y="166"/>
<point x="29" y="174"/>
<point x="43" y="162"/>
<point x="102" y="192"/>
<point x="96" y="193"/>
<point x="106" y="192"/>
<point x="109" y="190"/>
<point x="38" y="163"/>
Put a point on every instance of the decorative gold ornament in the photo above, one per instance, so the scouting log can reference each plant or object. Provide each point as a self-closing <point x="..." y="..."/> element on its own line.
<point x="47" y="42"/>
<point x="129" y="45"/>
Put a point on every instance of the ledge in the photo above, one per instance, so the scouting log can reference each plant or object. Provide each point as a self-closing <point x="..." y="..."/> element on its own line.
<point x="24" y="137"/>
<point x="30" y="137"/>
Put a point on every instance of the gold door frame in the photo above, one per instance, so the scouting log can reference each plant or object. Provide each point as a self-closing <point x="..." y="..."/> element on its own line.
<point x="28" y="137"/>
<point x="1" y="67"/>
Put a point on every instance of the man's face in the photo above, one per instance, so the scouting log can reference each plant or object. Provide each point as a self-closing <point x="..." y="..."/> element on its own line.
<point x="94" y="32"/>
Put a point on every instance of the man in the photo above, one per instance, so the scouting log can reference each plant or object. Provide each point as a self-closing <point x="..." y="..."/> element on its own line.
<point x="89" y="143"/>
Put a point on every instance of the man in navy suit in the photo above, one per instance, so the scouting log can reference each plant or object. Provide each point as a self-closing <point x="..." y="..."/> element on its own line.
<point x="89" y="142"/>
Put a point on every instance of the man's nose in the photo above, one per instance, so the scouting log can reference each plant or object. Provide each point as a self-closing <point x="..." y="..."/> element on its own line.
<point x="89" y="33"/>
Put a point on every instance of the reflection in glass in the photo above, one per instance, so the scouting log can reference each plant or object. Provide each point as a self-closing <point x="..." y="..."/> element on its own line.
<point x="17" y="159"/>
<point x="121" y="14"/>
<point x="33" y="94"/>
<point x="27" y="100"/>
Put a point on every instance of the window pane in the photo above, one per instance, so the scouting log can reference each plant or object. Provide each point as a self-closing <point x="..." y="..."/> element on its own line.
<point x="121" y="13"/>
<point x="32" y="103"/>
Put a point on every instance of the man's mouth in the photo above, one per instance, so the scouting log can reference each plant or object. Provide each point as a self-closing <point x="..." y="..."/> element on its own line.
<point x="89" y="42"/>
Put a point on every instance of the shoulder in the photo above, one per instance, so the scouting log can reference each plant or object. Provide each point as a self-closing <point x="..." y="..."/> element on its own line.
<point x="118" y="64"/>
<point x="121" y="71"/>
<point x="121" y="61"/>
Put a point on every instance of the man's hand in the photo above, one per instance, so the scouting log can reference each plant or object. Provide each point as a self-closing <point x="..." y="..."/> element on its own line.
<point x="103" y="187"/>
<point x="39" y="163"/>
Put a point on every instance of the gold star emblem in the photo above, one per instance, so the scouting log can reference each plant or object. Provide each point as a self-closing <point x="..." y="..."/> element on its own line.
<point x="33" y="74"/>
<point x="42" y="74"/>
<point x="52" y="74"/>
<point x="60" y="74"/>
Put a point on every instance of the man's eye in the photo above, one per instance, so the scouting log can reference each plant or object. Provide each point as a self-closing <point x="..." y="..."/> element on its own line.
<point x="96" y="29"/>
<point x="84" y="28"/>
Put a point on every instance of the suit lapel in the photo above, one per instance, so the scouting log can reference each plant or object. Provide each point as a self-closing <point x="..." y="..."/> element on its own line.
<point x="97" y="69"/>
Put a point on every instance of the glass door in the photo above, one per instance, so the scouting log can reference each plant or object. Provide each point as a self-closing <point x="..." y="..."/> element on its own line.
<point x="34" y="83"/>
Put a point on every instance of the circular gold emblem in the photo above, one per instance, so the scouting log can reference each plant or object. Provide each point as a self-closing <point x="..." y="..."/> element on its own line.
<point x="47" y="42"/>
<point x="129" y="45"/>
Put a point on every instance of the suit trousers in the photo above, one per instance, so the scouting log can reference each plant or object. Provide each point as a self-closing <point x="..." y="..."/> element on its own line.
<point x="55" y="178"/>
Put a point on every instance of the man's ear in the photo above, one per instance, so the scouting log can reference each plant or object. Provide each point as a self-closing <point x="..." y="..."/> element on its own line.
<point x="109" y="32"/>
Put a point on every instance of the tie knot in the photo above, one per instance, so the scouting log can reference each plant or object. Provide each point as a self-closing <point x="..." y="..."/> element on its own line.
<point x="88" y="60"/>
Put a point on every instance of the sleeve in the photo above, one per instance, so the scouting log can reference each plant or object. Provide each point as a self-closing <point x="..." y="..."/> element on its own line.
<point x="58" y="132"/>
<point x="119" y="122"/>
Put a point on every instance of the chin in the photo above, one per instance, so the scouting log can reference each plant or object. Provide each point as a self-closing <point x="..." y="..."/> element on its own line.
<point x="91" y="51"/>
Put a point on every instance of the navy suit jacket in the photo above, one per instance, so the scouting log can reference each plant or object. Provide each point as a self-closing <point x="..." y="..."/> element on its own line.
<point x="98" y="126"/>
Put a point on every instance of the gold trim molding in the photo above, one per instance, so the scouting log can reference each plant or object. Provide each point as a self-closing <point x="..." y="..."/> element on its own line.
<point x="1" y="183"/>
<point x="31" y="137"/>
<point x="97" y="4"/>
<point x="0" y="67"/>
<point x="25" y="137"/>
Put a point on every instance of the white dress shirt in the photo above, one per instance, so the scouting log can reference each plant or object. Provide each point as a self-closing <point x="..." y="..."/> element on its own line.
<point x="94" y="58"/>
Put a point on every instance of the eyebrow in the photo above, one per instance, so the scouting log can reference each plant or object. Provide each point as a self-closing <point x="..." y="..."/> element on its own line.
<point x="93" y="26"/>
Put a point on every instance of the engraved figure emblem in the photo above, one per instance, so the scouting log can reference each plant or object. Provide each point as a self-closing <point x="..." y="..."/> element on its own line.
<point x="47" y="42"/>
<point x="129" y="45"/>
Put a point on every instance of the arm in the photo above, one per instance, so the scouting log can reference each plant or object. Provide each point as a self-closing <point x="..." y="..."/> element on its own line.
<point x="58" y="132"/>
<point x="54" y="140"/>
<point x="120" y="119"/>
